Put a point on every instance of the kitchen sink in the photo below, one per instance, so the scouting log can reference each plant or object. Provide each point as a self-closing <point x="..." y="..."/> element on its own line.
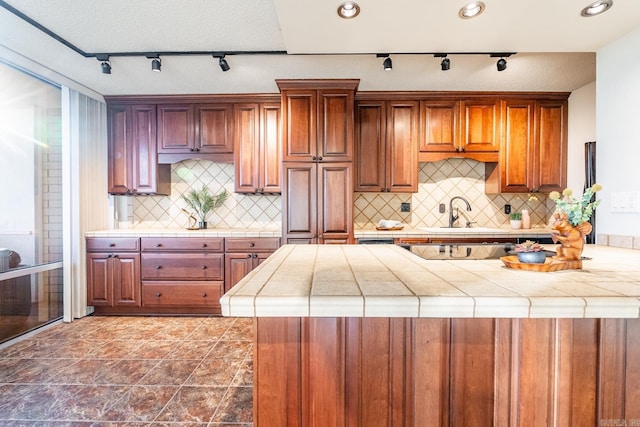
<point x="460" y="230"/>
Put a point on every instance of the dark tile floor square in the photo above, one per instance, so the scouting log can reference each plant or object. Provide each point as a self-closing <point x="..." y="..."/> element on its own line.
<point x="131" y="371"/>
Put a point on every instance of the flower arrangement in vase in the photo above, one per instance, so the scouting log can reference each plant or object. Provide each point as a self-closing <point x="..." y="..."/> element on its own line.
<point x="571" y="220"/>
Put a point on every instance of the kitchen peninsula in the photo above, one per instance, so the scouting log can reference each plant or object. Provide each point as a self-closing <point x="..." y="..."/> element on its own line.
<point x="373" y="335"/>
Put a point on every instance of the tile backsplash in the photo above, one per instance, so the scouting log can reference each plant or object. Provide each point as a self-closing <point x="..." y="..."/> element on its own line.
<point x="438" y="182"/>
<point x="238" y="211"/>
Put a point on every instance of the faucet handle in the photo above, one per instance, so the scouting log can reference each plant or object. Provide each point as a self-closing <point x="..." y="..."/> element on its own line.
<point x="471" y="222"/>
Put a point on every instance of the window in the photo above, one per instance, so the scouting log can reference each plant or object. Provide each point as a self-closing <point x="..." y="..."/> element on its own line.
<point x="31" y="278"/>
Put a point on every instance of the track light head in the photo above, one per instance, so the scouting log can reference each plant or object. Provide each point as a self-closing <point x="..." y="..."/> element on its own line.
<point x="105" y="65"/>
<point x="387" y="64"/>
<point x="156" y="65"/>
<point x="501" y="65"/>
<point x="445" y="64"/>
<point x="224" y="65"/>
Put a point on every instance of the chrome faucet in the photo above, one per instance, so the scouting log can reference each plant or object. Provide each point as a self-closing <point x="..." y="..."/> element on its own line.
<point x="453" y="218"/>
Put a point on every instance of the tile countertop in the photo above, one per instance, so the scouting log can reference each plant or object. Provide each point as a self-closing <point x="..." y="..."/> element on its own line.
<point x="388" y="281"/>
<point x="181" y="232"/>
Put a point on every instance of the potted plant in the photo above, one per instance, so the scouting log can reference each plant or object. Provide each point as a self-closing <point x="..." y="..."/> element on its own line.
<point x="515" y="219"/>
<point x="530" y="252"/>
<point x="203" y="203"/>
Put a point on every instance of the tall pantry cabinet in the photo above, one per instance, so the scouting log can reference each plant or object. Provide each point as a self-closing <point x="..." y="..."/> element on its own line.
<point x="318" y="140"/>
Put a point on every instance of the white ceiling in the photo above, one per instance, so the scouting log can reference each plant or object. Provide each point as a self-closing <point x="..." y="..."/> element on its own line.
<point x="555" y="44"/>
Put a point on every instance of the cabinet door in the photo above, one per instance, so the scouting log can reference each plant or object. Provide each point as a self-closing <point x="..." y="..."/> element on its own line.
<point x="517" y="154"/>
<point x="175" y="128"/>
<point x="236" y="266"/>
<point x="246" y="151"/>
<point x="270" y="149"/>
<point x="147" y="176"/>
<point x="402" y="146"/>
<point x="439" y="126"/>
<point x="335" y="203"/>
<point x="300" y="124"/>
<point x="370" y="146"/>
<point x="214" y="128"/>
<point x="299" y="201"/>
<point x="480" y="125"/>
<point x="335" y="123"/>
<point x="120" y="157"/>
<point x="126" y="280"/>
<point x="550" y="173"/>
<point x="99" y="280"/>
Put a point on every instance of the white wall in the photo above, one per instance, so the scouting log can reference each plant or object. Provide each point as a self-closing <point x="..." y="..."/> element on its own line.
<point x="618" y="114"/>
<point x="582" y="128"/>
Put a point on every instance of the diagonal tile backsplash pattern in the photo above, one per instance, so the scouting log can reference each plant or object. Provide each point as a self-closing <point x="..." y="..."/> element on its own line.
<point x="438" y="182"/>
<point x="238" y="211"/>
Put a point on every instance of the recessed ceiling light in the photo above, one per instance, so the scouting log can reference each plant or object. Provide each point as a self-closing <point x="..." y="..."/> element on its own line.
<point x="348" y="10"/>
<point x="596" y="8"/>
<point x="471" y="10"/>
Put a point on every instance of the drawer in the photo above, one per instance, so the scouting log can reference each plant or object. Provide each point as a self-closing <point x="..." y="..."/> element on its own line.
<point x="181" y="294"/>
<point x="200" y="244"/>
<point x="111" y="244"/>
<point x="246" y="244"/>
<point x="182" y="266"/>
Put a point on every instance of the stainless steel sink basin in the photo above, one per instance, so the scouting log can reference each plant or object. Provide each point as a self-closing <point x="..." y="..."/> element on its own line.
<point x="460" y="230"/>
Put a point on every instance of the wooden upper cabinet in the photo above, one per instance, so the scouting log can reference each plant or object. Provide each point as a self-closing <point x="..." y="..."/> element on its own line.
<point x="440" y="120"/>
<point x="387" y="146"/>
<point x="534" y="153"/>
<point x="258" y="148"/>
<point x="214" y="128"/>
<point x="317" y="119"/>
<point x="175" y="128"/>
<point x="480" y="122"/>
<point x="133" y="166"/>
<point x="189" y="128"/>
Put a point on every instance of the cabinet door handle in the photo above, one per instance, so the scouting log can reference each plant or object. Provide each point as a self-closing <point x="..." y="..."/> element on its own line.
<point x="255" y="255"/>
<point x="204" y="295"/>
<point x="248" y="255"/>
<point x="320" y="158"/>
<point x="159" y="294"/>
<point x="457" y="150"/>
<point x="197" y="149"/>
<point x="314" y="158"/>
<point x="158" y="267"/>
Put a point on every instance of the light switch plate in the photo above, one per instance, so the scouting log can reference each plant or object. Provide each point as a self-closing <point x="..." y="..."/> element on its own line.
<point x="625" y="201"/>
<point x="405" y="207"/>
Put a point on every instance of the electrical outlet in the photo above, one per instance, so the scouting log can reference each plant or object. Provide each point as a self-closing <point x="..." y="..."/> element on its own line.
<point x="507" y="209"/>
<point x="405" y="207"/>
<point x="442" y="208"/>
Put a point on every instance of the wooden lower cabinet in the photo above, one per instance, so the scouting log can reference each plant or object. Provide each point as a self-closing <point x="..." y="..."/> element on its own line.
<point x="243" y="255"/>
<point x="445" y="372"/>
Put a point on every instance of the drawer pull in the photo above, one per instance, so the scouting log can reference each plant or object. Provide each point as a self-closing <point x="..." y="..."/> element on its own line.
<point x="204" y="267"/>
<point x="204" y="245"/>
<point x="251" y="245"/>
<point x="159" y="294"/>
<point x="204" y="294"/>
<point x="158" y="245"/>
<point x="112" y="245"/>
<point x="158" y="267"/>
<point x="248" y="255"/>
<point x="255" y="255"/>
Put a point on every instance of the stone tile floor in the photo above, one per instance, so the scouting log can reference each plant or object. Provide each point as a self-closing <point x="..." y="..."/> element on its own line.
<point x="130" y="371"/>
